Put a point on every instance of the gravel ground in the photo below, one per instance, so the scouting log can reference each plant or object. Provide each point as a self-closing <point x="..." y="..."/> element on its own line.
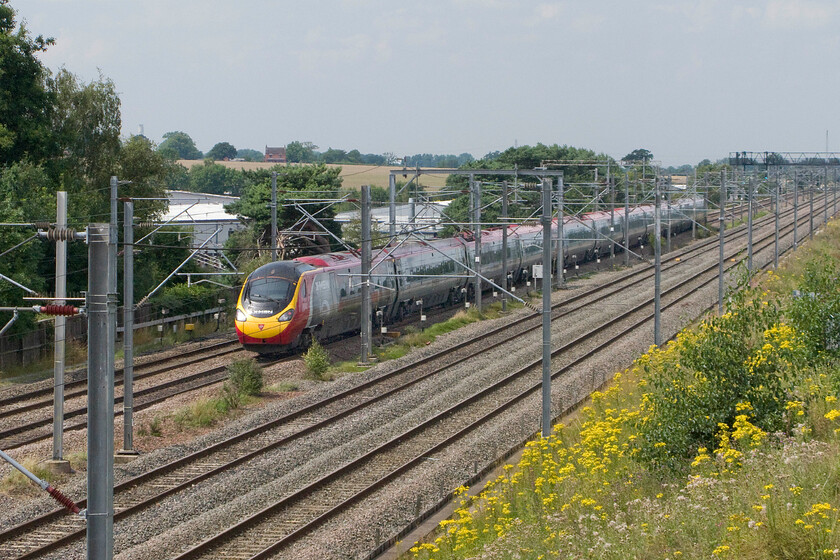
<point x="184" y="519"/>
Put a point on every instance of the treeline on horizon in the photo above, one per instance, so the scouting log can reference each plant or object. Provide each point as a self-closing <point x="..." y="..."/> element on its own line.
<point x="179" y="145"/>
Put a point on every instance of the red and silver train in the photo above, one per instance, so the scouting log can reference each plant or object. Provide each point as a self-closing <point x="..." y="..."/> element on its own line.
<point x="285" y="305"/>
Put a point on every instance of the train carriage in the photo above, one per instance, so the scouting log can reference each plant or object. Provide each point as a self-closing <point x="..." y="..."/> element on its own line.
<point x="284" y="305"/>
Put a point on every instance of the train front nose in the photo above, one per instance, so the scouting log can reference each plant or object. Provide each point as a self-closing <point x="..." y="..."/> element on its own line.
<point x="258" y="330"/>
<point x="274" y="331"/>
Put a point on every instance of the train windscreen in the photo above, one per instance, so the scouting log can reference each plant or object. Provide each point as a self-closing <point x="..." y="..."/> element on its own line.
<point x="270" y="289"/>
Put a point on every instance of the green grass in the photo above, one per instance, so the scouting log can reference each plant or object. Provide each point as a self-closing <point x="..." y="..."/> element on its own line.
<point x="202" y="413"/>
<point x="349" y="366"/>
<point x="284" y="387"/>
<point x="414" y="338"/>
<point x="16" y="484"/>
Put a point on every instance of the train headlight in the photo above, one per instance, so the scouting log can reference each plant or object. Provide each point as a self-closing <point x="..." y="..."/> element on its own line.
<point x="287" y="316"/>
<point x="240" y="315"/>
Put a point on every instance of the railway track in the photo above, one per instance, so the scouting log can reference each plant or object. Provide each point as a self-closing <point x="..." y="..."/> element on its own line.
<point x="43" y="534"/>
<point x="17" y="428"/>
<point x="267" y="532"/>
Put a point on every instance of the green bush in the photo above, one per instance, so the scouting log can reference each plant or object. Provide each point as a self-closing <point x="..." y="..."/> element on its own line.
<point x="180" y="298"/>
<point x="740" y="360"/>
<point x="246" y="377"/>
<point x="317" y="360"/>
<point x="815" y="309"/>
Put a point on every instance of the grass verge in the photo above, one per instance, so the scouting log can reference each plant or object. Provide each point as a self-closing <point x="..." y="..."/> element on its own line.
<point x="723" y="444"/>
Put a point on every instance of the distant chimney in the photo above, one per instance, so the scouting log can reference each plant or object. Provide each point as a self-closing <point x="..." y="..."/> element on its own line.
<point x="141" y="131"/>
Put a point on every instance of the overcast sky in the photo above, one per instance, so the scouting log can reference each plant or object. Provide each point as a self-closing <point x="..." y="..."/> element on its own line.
<point x="686" y="80"/>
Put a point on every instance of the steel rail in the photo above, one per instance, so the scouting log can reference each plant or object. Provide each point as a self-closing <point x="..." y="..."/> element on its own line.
<point x="6" y="401"/>
<point x="47" y="402"/>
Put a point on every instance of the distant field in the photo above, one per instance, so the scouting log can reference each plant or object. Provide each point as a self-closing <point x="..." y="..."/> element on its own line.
<point x="352" y="176"/>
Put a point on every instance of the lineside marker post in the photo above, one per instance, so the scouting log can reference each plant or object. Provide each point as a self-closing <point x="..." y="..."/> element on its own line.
<point x="721" y="230"/>
<point x="366" y="253"/>
<point x="546" y="311"/>
<point x="100" y="461"/>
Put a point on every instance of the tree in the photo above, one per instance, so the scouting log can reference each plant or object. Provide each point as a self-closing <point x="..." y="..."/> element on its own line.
<point x="86" y="124"/>
<point x="639" y="155"/>
<point x="215" y="179"/>
<point x="295" y="182"/>
<point x="354" y="156"/>
<point x="26" y="102"/>
<point x="148" y="172"/>
<point x="221" y="151"/>
<point x="300" y="152"/>
<point x="250" y="155"/>
<point x="178" y="145"/>
<point x="351" y="232"/>
<point x="334" y="156"/>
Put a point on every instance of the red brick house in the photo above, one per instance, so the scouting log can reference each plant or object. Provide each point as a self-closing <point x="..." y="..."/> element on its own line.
<point x="275" y="155"/>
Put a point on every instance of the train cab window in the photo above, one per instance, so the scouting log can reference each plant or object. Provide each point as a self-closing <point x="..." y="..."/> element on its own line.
<point x="271" y="289"/>
<point x="303" y="289"/>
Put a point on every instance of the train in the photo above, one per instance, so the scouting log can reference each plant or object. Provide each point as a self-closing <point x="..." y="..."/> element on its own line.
<point x="285" y="305"/>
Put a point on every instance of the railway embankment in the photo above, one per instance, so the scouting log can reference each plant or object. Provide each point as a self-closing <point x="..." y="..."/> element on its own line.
<point x="723" y="443"/>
